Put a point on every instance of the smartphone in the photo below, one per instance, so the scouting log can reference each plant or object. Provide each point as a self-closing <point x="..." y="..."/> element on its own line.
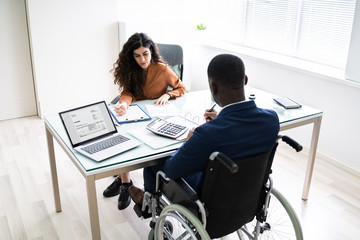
<point x="287" y="103"/>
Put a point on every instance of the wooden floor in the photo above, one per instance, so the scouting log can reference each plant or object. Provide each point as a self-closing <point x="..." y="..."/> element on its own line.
<point x="27" y="206"/>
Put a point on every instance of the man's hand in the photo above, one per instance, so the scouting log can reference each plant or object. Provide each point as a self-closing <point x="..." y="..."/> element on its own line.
<point x="210" y="115"/>
<point x="191" y="132"/>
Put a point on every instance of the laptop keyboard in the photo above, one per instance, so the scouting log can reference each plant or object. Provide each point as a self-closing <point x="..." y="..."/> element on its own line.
<point x="101" y="145"/>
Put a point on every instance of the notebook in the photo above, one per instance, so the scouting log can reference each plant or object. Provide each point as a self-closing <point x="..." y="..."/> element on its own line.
<point x="92" y="132"/>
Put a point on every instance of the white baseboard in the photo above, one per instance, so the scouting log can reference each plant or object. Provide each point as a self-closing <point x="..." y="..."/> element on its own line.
<point x="335" y="162"/>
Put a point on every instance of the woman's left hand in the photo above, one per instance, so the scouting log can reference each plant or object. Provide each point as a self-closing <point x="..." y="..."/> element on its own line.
<point x="164" y="99"/>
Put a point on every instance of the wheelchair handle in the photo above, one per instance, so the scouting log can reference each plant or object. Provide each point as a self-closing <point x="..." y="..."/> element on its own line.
<point x="225" y="160"/>
<point x="297" y="146"/>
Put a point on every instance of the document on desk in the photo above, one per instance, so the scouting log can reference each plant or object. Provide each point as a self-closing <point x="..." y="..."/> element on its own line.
<point x="195" y="115"/>
<point x="134" y="113"/>
<point x="162" y="110"/>
<point x="156" y="141"/>
<point x="152" y="140"/>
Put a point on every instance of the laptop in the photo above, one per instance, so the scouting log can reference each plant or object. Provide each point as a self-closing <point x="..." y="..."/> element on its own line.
<point x="92" y="132"/>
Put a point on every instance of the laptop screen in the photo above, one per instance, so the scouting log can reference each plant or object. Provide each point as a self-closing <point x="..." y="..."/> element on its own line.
<point x="87" y="123"/>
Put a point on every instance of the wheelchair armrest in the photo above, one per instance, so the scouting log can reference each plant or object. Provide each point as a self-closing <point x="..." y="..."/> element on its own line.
<point x="175" y="190"/>
<point x="187" y="188"/>
<point x="180" y="192"/>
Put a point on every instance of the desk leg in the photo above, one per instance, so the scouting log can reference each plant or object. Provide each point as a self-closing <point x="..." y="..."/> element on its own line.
<point x="311" y="158"/>
<point x="93" y="207"/>
<point x="54" y="177"/>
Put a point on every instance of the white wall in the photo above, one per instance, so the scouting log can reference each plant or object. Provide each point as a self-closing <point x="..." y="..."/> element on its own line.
<point x="17" y="93"/>
<point x="352" y="67"/>
<point x="340" y="131"/>
<point x="74" y="45"/>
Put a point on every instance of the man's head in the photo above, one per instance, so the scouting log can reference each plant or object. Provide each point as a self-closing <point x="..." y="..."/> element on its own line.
<point x="226" y="75"/>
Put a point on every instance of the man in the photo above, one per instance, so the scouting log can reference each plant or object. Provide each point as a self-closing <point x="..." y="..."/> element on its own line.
<point x="240" y="129"/>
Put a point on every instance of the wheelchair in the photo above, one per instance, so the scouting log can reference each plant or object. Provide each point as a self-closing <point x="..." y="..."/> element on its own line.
<point x="236" y="196"/>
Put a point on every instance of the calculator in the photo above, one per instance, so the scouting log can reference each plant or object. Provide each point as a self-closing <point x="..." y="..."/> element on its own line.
<point x="167" y="129"/>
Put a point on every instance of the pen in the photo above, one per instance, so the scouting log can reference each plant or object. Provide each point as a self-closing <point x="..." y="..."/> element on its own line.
<point x="212" y="108"/>
<point x="119" y="109"/>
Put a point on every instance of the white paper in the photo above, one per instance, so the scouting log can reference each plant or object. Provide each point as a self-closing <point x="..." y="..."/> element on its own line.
<point x="151" y="139"/>
<point x="162" y="110"/>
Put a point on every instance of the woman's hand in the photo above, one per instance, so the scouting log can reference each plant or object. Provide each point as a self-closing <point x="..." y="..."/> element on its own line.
<point x="210" y="115"/>
<point x="164" y="99"/>
<point x="121" y="108"/>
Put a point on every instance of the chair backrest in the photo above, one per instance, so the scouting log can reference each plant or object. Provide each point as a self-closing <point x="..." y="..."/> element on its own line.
<point x="173" y="55"/>
<point x="232" y="195"/>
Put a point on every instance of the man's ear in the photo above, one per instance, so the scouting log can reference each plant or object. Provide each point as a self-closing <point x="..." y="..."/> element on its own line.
<point x="213" y="87"/>
<point x="245" y="79"/>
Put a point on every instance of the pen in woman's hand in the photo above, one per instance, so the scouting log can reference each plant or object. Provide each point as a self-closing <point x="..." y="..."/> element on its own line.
<point x="118" y="108"/>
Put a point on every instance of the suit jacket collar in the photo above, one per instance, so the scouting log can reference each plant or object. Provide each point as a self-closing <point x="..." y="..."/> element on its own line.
<point x="239" y="106"/>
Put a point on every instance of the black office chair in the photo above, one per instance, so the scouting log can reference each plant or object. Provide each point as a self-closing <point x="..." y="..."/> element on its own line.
<point x="235" y="197"/>
<point x="173" y="55"/>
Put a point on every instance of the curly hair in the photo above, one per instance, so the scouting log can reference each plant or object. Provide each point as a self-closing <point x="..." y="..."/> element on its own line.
<point x="128" y="74"/>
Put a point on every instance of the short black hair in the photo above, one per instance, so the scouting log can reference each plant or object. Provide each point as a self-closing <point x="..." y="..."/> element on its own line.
<point x="227" y="70"/>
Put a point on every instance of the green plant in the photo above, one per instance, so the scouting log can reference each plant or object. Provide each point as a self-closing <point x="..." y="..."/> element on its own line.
<point x="200" y="26"/>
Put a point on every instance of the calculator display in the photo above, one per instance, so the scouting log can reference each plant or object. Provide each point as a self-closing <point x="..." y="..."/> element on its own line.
<point x="157" y="123"/>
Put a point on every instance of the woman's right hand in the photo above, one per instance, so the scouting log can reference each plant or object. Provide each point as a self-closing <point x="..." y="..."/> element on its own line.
<point x="121" y="108"/>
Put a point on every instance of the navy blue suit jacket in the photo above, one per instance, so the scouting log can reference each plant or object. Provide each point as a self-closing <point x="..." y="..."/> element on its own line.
<point x="239" y="130"/>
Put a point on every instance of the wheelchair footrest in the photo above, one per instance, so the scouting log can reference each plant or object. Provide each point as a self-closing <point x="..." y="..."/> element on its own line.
<point x="145" y="214"/>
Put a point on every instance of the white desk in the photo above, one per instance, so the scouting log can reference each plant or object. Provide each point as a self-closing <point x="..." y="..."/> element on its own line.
<point x="144" y="156"/>
<point x="292" y="118"/>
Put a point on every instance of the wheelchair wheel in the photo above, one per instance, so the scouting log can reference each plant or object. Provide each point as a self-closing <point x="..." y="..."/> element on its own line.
<point x="151" y="235"/>
<point x="176" y="222"/>
<point x="281" y="223"/>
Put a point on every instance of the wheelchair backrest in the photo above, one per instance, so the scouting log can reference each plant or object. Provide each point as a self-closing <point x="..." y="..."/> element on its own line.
<point x="233" y="199"/>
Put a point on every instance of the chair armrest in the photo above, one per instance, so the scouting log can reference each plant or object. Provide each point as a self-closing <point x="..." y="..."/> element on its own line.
<point x="115" y="100"/>
<point x="177" y="190"/>
<point x="180" y="192"/>
<point x="187" y="189"/>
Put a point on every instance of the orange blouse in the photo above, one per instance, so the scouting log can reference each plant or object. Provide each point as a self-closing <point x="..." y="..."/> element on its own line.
<point x="158" y="78"/>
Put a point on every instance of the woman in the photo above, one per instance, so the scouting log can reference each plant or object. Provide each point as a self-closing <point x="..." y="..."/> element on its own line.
<point x="141" y="73"/>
